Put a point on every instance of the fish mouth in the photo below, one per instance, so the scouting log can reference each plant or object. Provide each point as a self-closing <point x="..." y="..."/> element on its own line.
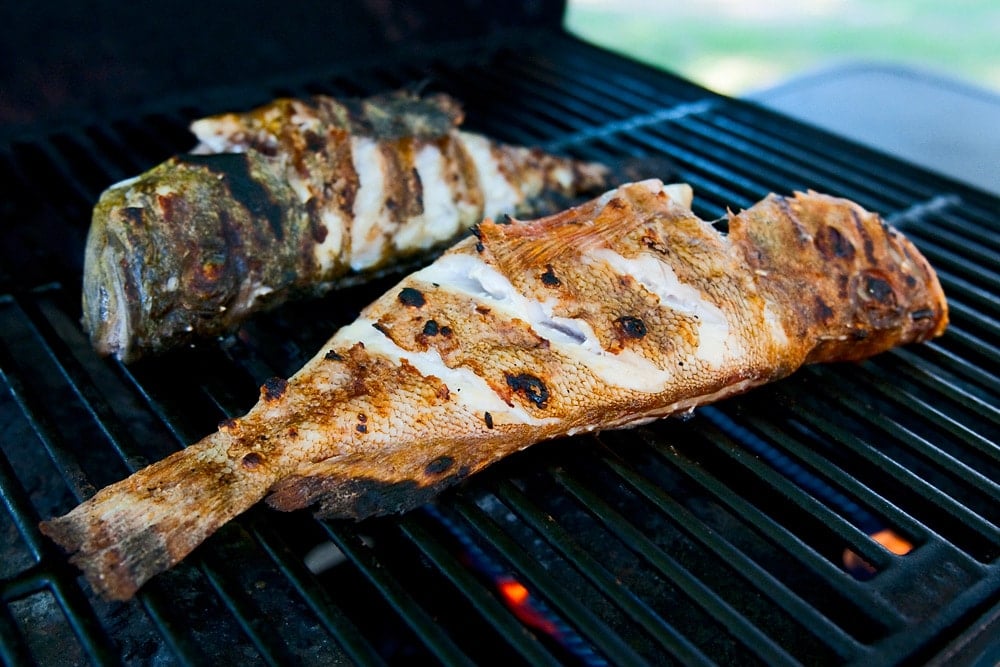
<point x="109" y="296"/>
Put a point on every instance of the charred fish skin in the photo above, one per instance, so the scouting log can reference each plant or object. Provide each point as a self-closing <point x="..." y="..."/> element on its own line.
<point x="286" y="201"/>
<point x="623" y="310"/>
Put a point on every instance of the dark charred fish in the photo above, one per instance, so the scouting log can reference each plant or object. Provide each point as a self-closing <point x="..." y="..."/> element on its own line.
<point x="288" y="200"/>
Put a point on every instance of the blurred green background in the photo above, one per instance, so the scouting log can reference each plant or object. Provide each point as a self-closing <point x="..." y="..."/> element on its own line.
<point x="735" y="47"/>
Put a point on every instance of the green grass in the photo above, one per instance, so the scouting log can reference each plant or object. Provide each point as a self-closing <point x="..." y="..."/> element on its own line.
<point x="727" y="46"/>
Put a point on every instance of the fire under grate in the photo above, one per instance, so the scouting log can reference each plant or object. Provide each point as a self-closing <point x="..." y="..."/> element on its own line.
<point x="717" y="539"/>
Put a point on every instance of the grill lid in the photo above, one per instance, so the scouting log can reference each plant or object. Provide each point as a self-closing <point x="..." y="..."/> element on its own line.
<point x="721" y="538"/>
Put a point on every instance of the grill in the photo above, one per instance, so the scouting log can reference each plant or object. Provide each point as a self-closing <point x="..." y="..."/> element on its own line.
<point x="720" y="538"/>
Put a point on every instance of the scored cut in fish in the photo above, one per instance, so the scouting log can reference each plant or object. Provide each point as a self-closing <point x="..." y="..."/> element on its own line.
<point x="625" y="309"/>
<point x="292" y="199"/>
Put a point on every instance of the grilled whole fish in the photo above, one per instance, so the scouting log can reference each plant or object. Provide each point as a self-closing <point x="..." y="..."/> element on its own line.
<point x="288" y="199"/>
<point x="625" y="309"/>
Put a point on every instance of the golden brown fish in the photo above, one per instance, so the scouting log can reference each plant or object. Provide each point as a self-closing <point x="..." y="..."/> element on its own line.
<point x="617" y="312"/>
<point x="289" y="199"/>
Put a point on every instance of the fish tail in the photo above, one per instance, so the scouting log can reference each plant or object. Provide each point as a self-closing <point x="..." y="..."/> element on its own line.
<point x="143" y="525"/>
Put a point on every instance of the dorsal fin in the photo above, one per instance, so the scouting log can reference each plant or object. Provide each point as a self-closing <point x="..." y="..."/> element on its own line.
<point x="595" y="224"/>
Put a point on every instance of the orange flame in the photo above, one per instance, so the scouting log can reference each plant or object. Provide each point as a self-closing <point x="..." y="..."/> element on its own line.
<point x="889" y="539"/>
<point x="518" y="600"/>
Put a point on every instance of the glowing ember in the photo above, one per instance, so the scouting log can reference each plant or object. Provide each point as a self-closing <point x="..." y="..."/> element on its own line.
<point x="518" y="600"/>
<point x="514" y="592"/>
<point x="888" y="538"/>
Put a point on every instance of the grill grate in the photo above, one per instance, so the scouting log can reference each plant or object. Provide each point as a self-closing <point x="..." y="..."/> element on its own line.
<point x="719" y="539"/>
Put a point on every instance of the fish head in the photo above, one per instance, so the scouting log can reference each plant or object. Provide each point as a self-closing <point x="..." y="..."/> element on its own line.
<point x="848" y="281"/>
<point x="161" y="265"/>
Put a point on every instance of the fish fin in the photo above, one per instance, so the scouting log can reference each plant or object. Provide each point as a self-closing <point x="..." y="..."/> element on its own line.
<point x="145" y="524"/>
<point x="598" y="223"/>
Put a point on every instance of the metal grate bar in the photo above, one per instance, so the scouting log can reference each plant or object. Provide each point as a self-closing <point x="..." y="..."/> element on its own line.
<point x="752" y="638"/>
<point x="880" y="613"/>
<point x="976" y="296"/>
<point x="826" y="519"/>
<point x="538" y="578"/>
<point x="661" y="631"/>
<point x="45" y="431"/>
<point x="91" y="398"/>
<point x="901" y="431"/>
<point x="333" y="620"/>
<point x="759" y="578"/>
<point x="920" y="409"/>
<point x="927" y="492"/>
<point x="485" y="603"/>
<point x="931" y="375"/>
<point x="433" y="636"/>
<point x="963" y="317"/>
<point x="13" y="648"/>
<point x="861" y="169"/>
<point x="783" y="170"/>
<point x="851" y="157"/>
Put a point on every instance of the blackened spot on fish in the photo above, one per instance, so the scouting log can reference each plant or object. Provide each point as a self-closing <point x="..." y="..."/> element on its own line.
<point x="252" y="461"/>
<point x="504" y="219"/>
<point x="274" y="388"/>
<point x="880" y="290"/>
<point x="412" y="297"/>
<point x="550" y="278"/>
<point x="869" y="245"/>
<point x="362" y="417"/>
<point x="446" y="331"/>
<point x="922" y="314"/>
<point x="417" y="189"/>
<point x="823" y="311"/>
<point x="333" y="356"/>
<point x="479" y="246"/>
<point x="319" y="232"/>
<point x="133" y="215"/>
<point x="439" y="465"/>
<point x="228" y="424"/>
<point x="360" y="498"/>
<point x="530" y="386"/>
<point x="361" y="428"/>
<point x="476" y="231"/>
<point x="378" y="326"/>
<point x="244" y="188"/>
<point x="911" y="281"/>
<point x="631" y="327"/>
<point x="431" y="328"/>
<point x="314" y="142"/>
<point x="488" y="418"/>
<point x="860" y="334"/>
<point x="831" y="243"/>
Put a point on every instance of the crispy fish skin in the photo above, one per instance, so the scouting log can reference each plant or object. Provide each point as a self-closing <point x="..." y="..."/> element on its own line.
<point x="623" y="310"/>
<point x="289" y="200"/>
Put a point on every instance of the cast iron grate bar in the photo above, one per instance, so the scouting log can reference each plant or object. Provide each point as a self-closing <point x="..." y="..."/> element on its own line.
<point x="485" y="603"/>
<point x="755" y="576"/>
<point x="584" y="620"/>
<point x="761" y="521"/>
<point x="698" y="592"/>
<point x="430" y="633"/>
<point x="638" y="610"/>
<point x="956" y="523"/>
